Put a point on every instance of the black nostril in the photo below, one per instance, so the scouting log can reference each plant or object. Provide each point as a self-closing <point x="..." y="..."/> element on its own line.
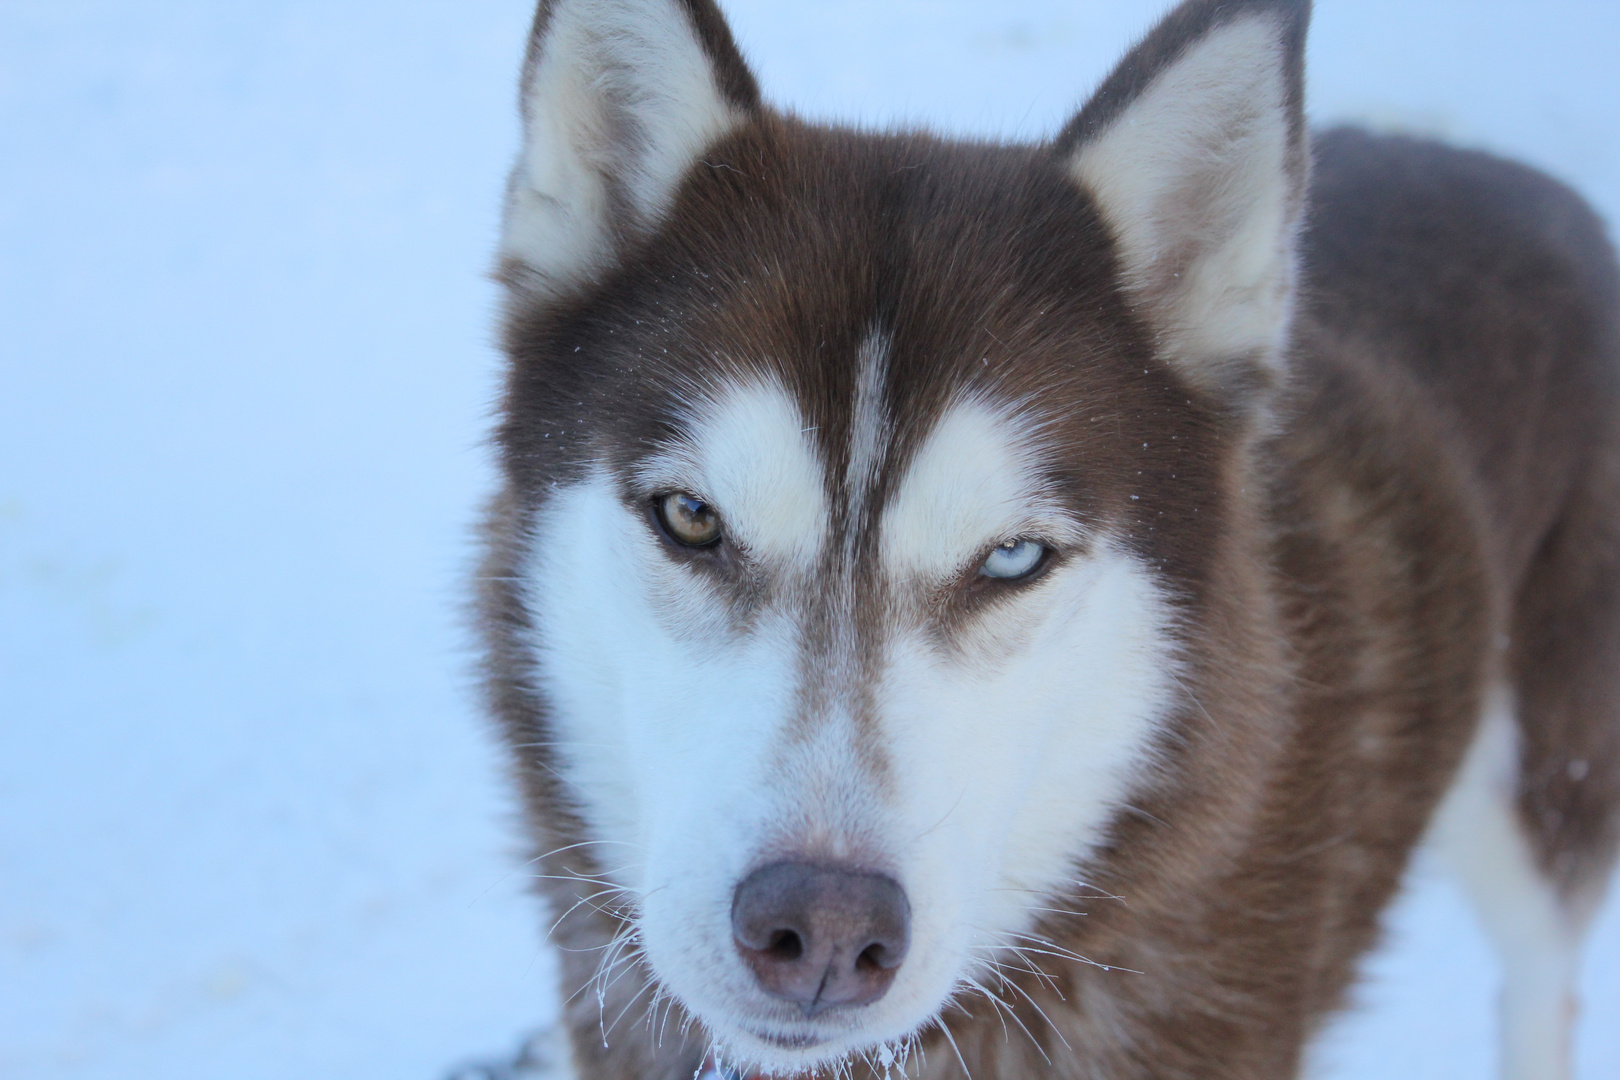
<point x="873" y="956"/>
<point x="821" y="936"/>
<point x="785" y="945"/>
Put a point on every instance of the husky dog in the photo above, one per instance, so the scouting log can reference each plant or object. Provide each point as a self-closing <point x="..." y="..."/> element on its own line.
<point x="1004" y="611"/>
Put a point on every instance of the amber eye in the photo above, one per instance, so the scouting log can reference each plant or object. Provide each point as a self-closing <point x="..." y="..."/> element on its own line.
<point x="687" y="519"/>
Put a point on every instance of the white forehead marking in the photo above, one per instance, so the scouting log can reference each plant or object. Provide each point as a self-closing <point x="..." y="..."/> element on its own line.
<point x="869" y="426"/>
<point x="749" y="454"/>
<point x="975" y="481"/>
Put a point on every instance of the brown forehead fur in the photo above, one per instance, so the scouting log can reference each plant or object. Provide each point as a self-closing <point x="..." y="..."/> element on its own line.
<point x="984" y="268"/>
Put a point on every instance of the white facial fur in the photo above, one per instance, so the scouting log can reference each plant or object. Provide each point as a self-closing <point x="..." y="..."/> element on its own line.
<point x="1194" y="180"/>
<point x="977" y="773"/>
<point x="620" y="93"/>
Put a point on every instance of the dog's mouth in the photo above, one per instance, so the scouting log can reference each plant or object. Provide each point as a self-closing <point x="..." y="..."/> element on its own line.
<point x="753" y="1053"/>
<point x="783" y="1047"/>
<point x="790" y="1041"/>
<point x="781" y="1032"/>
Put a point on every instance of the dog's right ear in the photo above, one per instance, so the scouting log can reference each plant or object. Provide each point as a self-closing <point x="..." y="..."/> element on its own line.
<point x="619" y="100"/>
<point x="1195" y="152"/>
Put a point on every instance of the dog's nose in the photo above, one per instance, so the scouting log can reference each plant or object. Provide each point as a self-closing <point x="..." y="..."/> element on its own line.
<point x="821" y="936"/>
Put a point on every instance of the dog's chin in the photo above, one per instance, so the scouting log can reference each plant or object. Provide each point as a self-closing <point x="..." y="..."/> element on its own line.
<point x="787" y="1050"/>
<point x="783" y="1053"/>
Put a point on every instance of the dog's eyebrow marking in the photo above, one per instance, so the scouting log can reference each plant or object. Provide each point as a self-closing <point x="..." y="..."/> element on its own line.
<point x="746" y="451"/>
<point x="975" y="480"/>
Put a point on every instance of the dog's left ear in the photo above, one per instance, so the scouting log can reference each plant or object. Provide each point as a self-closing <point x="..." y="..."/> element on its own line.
<point x="619" y="99"/>
<point x="1194" y="150"/>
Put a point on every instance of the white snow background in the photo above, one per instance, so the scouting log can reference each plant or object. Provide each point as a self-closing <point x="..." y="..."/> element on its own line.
<point x="251" y="824"/>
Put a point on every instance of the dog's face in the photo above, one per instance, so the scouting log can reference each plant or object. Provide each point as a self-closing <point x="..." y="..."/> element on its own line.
<point x="866" y="488"/>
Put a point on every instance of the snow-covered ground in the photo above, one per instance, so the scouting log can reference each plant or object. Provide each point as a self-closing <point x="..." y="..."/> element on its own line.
<point x="250" y="823"/>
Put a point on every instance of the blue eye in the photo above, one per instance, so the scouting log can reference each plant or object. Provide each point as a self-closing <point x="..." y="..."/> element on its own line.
<point x="1013" y="560"/>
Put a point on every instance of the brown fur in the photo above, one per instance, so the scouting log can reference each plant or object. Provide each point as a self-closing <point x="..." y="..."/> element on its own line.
<point x="1430" y="503"/>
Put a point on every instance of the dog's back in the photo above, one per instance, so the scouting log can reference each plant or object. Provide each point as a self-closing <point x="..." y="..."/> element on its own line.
<point x="1473" y="306"/>
<point x="1484" y="295"/>
<point x="1452" y="442"/>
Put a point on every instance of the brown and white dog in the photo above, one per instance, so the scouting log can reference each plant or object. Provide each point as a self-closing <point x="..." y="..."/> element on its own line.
<point x="1004" y="611"/>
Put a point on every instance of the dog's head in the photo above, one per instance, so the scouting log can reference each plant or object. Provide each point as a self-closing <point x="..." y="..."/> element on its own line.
<point x="863" y="490"/>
